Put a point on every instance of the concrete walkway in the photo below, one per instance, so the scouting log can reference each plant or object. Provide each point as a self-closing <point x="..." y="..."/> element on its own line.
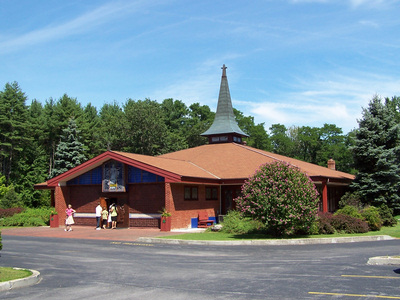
<point x="87" y="232"/>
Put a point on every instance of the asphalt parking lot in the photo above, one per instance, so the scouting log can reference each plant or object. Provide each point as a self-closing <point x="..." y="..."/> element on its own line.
<point x="73" y="268"/>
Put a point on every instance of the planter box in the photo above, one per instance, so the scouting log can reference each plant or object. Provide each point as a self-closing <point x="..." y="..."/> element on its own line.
<point x="165" y="224"/>
<point x="54" y="221"/>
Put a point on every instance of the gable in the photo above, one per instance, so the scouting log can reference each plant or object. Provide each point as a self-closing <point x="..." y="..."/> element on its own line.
<point x="96" y="176"/>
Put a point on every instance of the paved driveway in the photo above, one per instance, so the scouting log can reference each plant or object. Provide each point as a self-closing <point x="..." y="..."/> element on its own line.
<point x="127" y="269"/>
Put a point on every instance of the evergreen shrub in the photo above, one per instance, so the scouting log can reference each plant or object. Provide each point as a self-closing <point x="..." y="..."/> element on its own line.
<point x="235" y="222"/>
<point x="352" y="199"/>
<point x="351" y="211"/>
<point x="372" y="217"/>
<point x="282" y="197"/>
<point x="387" y="217"/>
<point x="29" y="217"/>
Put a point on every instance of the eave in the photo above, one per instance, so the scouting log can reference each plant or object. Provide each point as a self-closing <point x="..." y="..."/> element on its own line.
<point x="98" y="161"/>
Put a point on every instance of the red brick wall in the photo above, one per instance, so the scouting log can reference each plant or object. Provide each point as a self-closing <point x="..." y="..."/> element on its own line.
<point x="146" y="198"/>
<point x="183" y="211"/>
<point x="84" y="198"/>
<point x="144" y="223"/>
<point x="61" y="198"/>
<point x="142" y="198"/>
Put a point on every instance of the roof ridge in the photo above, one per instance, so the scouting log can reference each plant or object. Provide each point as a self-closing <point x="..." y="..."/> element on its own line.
<point x="197" y="166"/>
<point x="259" y="152"/>
<point x="281" y="160"/>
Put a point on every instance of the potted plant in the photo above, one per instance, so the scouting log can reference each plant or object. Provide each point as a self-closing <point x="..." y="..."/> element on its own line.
<point x="165" y="220"/>
<point x="54" y="219"/>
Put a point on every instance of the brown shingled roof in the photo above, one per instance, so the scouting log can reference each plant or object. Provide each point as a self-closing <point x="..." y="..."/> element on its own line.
<point x="231" y="161"/>
<point x="227" y="161"/>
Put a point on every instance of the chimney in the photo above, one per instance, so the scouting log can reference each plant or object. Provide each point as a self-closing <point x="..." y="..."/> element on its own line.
<point x="331" y="164"/>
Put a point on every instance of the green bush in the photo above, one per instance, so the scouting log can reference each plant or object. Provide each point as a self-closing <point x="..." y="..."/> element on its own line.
<point x="29" y="217"/>
<point x="352" y="199"/>
<point x="10" y="198"/>
<point x="387" y="217"/>
<point x="351" y="211"/>
<point x="281" y="197"/>
<point x="234" y="222"/>
<point x="372" y="217"/>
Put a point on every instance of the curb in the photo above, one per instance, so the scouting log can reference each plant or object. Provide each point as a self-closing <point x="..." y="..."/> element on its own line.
<point x="22" y="282"/>
<point x="384" y="260"/>
<point x="283" y="242"/>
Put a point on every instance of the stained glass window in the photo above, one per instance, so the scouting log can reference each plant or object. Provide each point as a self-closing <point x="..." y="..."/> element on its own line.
<point x="113" y="177"/>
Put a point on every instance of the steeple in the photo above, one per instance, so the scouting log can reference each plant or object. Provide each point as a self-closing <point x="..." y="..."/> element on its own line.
<point x="224" y="129"/>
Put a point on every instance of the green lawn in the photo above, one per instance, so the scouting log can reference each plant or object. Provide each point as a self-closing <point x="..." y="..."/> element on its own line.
<point x="218" y="236"/>
<point x="7" y="274"/>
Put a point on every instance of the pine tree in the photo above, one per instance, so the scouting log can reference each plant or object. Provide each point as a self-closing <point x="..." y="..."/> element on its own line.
<point x="377" y="156"/>
<point x="69" y="151"/>
<point x="13" y="128"/>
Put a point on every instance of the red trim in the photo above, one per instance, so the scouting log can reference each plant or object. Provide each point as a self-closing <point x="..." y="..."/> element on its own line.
<point x="324" y="196"/>
<point x="98" y="160"/>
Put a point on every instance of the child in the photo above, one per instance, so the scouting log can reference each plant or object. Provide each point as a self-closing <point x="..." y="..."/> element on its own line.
<point x="104" y="216"/>
<point x="69" y="221"/>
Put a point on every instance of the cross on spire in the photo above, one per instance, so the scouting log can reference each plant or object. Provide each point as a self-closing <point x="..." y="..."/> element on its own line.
<point x="224" y="70"/>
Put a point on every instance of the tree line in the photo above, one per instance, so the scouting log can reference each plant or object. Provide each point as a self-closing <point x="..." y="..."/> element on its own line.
<point x="33" y="135"/>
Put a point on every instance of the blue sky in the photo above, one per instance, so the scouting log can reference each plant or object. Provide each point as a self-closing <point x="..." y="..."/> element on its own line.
<point x="293" y="62"/>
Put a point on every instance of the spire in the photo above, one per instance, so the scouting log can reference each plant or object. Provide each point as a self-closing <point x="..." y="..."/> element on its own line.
<point x="224" y="123"/>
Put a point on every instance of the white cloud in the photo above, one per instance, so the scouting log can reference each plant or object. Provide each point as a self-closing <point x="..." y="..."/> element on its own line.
<point x="79" y="25"/>
<point x="333" y="98"/>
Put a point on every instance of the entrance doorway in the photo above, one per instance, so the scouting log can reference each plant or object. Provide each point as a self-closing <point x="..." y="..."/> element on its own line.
<point x="122" y="209"/>
<point x="229" y="193"/>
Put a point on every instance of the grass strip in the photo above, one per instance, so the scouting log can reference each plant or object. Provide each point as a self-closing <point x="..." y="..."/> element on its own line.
<point x="221" y="236"/>
<point x="7" y="274"/>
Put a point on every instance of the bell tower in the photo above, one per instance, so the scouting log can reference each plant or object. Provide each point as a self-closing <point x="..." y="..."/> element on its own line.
<point x="224" y="129"/>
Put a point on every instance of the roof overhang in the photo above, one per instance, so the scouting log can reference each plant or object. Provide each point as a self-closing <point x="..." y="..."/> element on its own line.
<point x="98" y="161"/>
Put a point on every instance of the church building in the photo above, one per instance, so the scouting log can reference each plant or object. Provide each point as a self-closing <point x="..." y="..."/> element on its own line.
<point x="201" y="179"/>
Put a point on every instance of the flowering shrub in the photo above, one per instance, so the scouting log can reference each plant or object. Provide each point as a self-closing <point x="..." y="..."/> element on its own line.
<point x="281" y="197"/>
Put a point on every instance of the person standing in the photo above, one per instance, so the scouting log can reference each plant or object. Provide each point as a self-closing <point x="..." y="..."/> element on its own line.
<point x="69" y="220"/>
<point x="114" y="214"/>
<point x="98" y="216"/>
<point x="104" y="216"/>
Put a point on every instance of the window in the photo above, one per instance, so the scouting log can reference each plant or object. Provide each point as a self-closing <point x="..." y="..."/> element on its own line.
<point x="191" y="192"/>
<point x="211" y="193"/>
<point x="237" y="139"/>
<point x="113" y="177"/>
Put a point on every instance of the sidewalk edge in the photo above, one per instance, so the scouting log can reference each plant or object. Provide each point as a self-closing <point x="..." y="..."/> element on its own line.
<point x="22" y="282"/>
